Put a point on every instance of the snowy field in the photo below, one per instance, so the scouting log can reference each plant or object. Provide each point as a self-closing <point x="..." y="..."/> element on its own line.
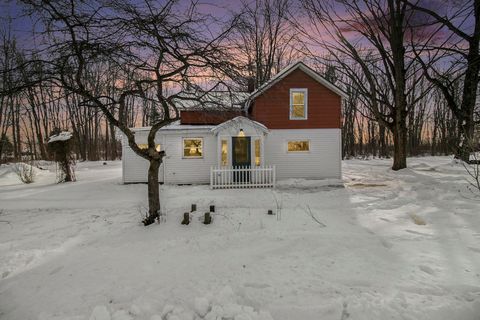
<point x="386" y="245"/>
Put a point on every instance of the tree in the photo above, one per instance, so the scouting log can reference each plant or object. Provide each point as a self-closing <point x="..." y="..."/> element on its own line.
<point x="148" y="46"/>
<point x="60" y="146"/>
<point x="6" y="147"/>
<point x="454" y="56"/>
<point x="264" y="40"/>
<point x="367" y="40"/>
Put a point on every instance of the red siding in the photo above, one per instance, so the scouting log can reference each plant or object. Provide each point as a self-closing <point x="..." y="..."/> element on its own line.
<point x="272" y="108"/>
<point x="207" y="117"/>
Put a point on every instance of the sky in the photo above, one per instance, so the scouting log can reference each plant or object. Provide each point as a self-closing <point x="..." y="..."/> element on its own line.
<point x="11" y="14"/>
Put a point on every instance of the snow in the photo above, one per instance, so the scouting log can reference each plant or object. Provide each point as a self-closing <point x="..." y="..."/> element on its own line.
<point x="8" y="175"/>
<point x="62" y="136"/>
<point x="396" y="245"/>
<point x="176" y="125"/>
<point x="202" y="306"/>
<point x="100" y="313"/>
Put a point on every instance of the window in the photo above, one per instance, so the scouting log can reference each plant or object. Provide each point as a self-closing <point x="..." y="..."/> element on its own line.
<point x="298" y="104"/>
<point x="145" y="146"/>
<point x="299" y="146"/>
<point x="257" y="152"/>
<point x="193" y="148"/>
<point x="224" y="152"/>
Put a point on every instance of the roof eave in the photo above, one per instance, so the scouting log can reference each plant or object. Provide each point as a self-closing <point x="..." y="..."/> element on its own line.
<point x="289" y="70"/>
<point x="257" y="124"/>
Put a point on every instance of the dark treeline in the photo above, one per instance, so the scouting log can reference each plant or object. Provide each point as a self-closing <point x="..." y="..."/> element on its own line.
<point x="432" y="129"/>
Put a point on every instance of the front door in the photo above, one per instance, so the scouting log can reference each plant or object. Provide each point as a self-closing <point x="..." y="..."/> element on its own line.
<point x="241" y="157"/>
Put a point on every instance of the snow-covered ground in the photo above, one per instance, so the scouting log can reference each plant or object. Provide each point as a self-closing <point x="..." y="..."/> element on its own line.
<point x="395" y="245"/>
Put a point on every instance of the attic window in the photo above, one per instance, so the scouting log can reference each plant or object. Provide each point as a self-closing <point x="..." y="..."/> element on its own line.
<point x="298" y="104"/>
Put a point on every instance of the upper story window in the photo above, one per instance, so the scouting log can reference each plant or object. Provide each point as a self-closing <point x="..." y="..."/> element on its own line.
<point x="298" y="104"/>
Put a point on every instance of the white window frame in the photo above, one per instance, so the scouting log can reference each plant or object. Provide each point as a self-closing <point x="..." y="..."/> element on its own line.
<point x="254" y="162"/>
<point x="224" y="138"/>
<point x="305" y="95"/>
<point x="183" y="148"/>
<point x="295" y="152"/>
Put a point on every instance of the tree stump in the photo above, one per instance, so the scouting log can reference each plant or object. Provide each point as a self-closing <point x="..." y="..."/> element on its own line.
<point x="270" y="212"/>
<point x="212" y="208"/>
<point x="194" y="207"/>
<point x="186" y="218"/>
<point x="208" y="218"/>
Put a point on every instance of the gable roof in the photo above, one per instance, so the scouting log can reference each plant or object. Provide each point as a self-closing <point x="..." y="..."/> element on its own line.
<point x="286" y="71"/>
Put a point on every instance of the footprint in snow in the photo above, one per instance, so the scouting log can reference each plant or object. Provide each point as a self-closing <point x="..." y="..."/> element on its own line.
<point x="419" y="233"/>
<point x="386" y="244"/>
<point x="56" y="270"/>
<point x="256" y="285"/>
<point x="474" y="249"/>
<point x="427" y="269"/>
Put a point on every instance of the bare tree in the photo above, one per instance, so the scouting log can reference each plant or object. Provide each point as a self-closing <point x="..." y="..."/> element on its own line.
<point x="9" y="106"/>
<point x="148" y="45"/>
<point x="264" y="40"/>
<point x="368" y="41"/>
<point x="453" y="56"/>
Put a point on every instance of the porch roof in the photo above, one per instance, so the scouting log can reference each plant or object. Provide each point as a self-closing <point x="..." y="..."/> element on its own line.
<point x="240" y="120"/>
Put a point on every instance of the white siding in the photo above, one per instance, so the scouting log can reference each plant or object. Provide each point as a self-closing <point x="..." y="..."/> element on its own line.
<point x="181" y="170"/>
<point x="175" y="169"/>
<point x="135" y="168"/>
<point x="322" y="161"/>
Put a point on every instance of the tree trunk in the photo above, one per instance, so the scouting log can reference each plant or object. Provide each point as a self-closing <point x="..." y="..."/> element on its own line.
<point x="465" y="130"/>
<point x="382" y="139"/>
<point x="399" y="144"/>
<point x="153" y="191"/>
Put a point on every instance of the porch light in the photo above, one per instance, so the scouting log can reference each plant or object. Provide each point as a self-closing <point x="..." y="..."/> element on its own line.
<point x="241" y="133"/>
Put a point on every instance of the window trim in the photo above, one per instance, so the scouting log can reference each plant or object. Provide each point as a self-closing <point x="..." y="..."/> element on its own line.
<point x="259" y="151"/>
<point x="299" y="140"/>
<point x="183" y="148"/>
<point x="222" y="139"/>
<point x="305" y="92"/>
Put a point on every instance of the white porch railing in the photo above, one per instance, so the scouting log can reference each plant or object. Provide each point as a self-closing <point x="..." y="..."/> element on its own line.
<point x="242" y="177"/>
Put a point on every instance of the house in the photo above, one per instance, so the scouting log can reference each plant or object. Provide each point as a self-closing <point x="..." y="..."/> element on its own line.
<point x="287" y="128"/>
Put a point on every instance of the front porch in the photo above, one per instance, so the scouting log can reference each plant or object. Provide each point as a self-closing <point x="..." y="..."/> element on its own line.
<point x="242" y="177"/>
<point x="240" y="156"/>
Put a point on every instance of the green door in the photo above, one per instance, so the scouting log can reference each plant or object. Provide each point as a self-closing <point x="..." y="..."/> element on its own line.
<point x="241" y="157"/>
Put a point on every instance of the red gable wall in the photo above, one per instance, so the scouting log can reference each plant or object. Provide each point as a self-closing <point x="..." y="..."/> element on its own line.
<point x="272" y="108"/>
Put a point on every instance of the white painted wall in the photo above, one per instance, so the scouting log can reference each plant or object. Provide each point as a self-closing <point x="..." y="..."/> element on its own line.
<point x="181" y="170"/>
<point x="322" y="161"/>
<point x="175" y="169"/>
<point x="135" y="168"/>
